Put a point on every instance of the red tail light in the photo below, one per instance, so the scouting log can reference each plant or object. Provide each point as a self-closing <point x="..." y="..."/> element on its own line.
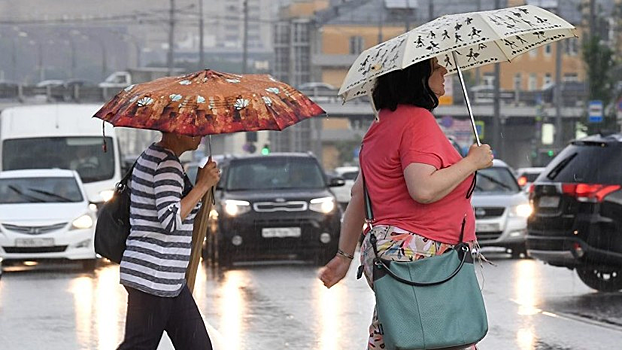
<point x="589" y="192"/>
<point x="522" y="181"/>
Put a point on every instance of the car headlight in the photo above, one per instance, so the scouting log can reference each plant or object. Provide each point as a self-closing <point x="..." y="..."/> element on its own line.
<point x="234" y="207"/>
<point x="521" y="210"/>
<point x="83" y="222"/>
<point x="322" y="205"/>
<point x="106" y="195"/>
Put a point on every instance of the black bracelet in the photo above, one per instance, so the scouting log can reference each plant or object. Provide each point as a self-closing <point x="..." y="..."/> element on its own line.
<point x="344" y="254"/>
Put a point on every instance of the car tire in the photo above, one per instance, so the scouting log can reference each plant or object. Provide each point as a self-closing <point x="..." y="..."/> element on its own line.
<point x="603" y="279"/>
<point x="517" y="250"/>
<point x="89" y="265"/>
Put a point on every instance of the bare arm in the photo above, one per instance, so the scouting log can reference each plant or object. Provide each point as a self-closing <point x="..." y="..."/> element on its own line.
<point x="207" y="177"/>
<point x="351" y="227"/>
<point x="426" y="184"/>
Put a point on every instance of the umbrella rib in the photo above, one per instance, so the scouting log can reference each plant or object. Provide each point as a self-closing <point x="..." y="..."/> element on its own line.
<point x="492" y="30"/>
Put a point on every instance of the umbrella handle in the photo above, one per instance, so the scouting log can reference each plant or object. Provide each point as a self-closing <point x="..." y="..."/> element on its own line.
<point x="466" y="98"/>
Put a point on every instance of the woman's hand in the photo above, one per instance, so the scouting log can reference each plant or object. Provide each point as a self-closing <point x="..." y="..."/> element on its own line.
<point x="208" y="175"/>
<point x="334" y="271"/>
<point x="480" y="156"/>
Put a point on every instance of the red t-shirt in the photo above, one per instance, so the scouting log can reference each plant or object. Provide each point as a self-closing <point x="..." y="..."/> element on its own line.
<point x="411" y="135"/>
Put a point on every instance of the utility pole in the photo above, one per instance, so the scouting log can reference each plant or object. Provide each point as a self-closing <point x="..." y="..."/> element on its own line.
<point x="430" y="9"/>
<point x="171" y="39"/>
<point x="201" y="48"/>
<point x="557" y="98"/>
<point x="380" y="23"/>
<point x="245" y="39"/>
<point x="496" y="115"/>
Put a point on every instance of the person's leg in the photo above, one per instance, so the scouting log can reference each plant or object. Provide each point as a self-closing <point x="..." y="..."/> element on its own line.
<point x="145" y="320"/>
<point x="185" y="326"/>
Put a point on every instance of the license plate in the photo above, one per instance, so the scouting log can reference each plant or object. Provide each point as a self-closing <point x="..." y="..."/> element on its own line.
<point x="482" y="227"/>
<point x="34" y="242"/>
<point x="279" y="232"/>
<point x="548" y="202"/>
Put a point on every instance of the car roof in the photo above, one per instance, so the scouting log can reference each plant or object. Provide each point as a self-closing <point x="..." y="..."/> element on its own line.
<point x="612" y="137"/>
<point x="499" y="163"/>
<point x="276" y="155"/>
<point x="9" y="174"/>
<point x="530" y="170"/>
<point x="346" y="169"/>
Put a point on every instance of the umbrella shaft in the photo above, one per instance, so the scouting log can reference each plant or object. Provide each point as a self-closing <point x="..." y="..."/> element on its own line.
<point x="466" y="99"/>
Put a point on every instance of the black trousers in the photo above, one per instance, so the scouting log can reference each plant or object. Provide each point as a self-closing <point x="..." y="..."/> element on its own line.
<point x="148" y="316"/>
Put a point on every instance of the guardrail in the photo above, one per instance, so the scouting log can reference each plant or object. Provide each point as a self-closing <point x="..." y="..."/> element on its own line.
<point x="25" y="93"/>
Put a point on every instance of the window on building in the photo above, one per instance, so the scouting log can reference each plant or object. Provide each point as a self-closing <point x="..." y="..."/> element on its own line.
<point x="356" y="45"/>
<point x="569" y="77"/>
<point x="518" y="82"/>
<point x="533" y="52"/>
<point x="547" y="80"/>
<point x="571" y="46"/>
<point x="533" y="82"/>
<point x="547" y="49"/>
<point x="489" y="79"/>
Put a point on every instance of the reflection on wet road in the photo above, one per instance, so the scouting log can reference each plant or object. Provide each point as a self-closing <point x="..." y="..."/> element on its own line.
<point x="283" y="306"/>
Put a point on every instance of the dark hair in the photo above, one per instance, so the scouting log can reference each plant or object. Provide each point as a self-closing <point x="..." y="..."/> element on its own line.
<point x="406" y="86"/>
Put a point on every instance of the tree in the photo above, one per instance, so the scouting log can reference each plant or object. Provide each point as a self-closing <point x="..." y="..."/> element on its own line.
<point x="599" y="63"/>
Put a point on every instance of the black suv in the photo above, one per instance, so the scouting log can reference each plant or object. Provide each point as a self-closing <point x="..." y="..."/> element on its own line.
<point x="577" y="218"/>
<point x="275" y="206"/>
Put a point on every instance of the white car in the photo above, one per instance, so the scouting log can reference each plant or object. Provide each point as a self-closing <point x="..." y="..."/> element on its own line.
<point x="343" y="193"/>
<point x="45" y="214"/>
<point x="501" y="209"/>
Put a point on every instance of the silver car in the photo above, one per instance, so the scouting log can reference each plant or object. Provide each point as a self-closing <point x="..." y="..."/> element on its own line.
<point x="501" y="209"/>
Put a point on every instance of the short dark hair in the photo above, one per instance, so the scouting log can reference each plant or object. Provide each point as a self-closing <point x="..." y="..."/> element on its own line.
<point x="406" y="86"/>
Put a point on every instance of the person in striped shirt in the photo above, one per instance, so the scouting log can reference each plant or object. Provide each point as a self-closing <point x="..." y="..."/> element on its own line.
<point x="162" y="210"/>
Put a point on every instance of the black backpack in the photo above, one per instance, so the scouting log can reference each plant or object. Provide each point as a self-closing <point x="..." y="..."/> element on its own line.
<point x="113" y="222"/>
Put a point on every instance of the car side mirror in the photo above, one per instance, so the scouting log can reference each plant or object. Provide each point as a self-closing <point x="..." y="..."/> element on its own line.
<point x="336" y="182"/>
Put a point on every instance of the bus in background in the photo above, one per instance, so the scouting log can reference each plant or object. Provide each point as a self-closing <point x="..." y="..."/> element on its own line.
<point x="63" y="136"/>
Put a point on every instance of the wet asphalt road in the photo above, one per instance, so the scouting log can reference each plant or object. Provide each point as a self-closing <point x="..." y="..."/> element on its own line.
<point x="283" y="306"/>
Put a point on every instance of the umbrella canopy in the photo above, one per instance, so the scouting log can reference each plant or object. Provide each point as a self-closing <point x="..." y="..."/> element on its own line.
<point x="465" y="40"/>
<point x="209" y="102"/>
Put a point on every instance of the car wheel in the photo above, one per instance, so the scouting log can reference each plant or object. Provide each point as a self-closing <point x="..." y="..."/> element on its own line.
<point x="517" y="250"/>
<point x="601" y="278"/>
<point x="89" y="265"/>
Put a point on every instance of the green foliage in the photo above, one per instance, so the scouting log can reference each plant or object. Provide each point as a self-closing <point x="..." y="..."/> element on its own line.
<point x="346" y="149"/>
<point x="599" y="63"/>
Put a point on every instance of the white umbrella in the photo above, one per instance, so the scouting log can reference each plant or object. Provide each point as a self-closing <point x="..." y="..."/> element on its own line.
<point x="459" y="42"/>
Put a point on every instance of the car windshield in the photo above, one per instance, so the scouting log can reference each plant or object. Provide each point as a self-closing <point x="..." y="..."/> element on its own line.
<point x="497" y="180"/>
<point x="39" y="190"/>
<point x="83" y="154"/>
<point x="587" y="163"/>
<point x="272" y="173"/>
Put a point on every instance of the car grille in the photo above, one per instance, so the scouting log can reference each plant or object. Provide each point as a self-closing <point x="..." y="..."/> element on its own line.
<point x="488" y="212"/>
<point x="25" y="250"/>
<point x="488" y="236"/>
<point x="34" y="230"/>
<point x="267" y="207"/>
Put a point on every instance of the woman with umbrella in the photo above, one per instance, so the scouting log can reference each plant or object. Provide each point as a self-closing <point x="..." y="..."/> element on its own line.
<point x="162" y="211"/>
<point x="418" y="184"/>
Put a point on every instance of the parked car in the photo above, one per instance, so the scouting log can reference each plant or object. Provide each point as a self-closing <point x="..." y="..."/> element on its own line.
<point x="526" y="176"/>
<point x="501" y="209"/>
<point x="577" y="219"/>
<point x="45" y="214"/>
<point x="343" y="193"/>
<point x="275" y="206"/>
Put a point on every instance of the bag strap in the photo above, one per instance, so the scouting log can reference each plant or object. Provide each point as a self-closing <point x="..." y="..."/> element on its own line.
<point x="123" y="184"/>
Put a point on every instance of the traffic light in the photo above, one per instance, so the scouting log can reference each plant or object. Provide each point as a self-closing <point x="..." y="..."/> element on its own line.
<point x="550" y="153"/>
<point x="265" y="150"/>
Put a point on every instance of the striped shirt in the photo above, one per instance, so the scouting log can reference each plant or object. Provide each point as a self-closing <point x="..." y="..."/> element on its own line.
<point x="159" y="244"/>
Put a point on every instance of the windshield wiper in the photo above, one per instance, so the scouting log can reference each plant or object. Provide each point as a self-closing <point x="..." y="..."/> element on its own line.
<point x="30" y="198"/>
<point x="560" y="166"/>
<point x="64" y="199"/>
<point x="492" y="179"/>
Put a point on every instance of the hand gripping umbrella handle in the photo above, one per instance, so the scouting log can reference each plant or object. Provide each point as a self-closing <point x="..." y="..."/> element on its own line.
<point x="466" y="98"/>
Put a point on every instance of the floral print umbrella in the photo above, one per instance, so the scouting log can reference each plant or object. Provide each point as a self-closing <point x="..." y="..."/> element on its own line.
<point x="209" y="102"/>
